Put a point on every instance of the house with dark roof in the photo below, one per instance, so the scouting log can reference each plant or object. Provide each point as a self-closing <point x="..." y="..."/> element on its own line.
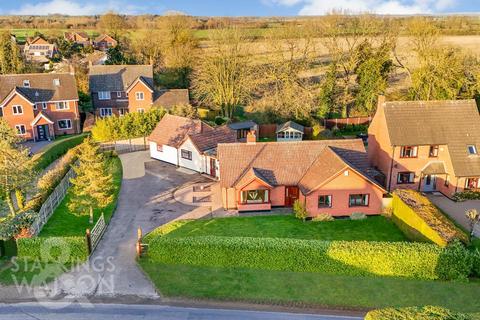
<point x="78" y="37"/>
<point x="243" y="128"/>
<point x="426" y="145"/>
<point x="327" y="176"/>
<point x="189" y="143"/>
<point x="118" y="89"/>
<point x="290" y="131"/>
<point x="39" y="50"/>
<point x="104" y="42"/>
<point x="40" y="106"/>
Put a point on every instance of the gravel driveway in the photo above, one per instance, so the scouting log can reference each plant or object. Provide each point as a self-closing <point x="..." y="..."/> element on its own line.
<point x="146" y="201"/>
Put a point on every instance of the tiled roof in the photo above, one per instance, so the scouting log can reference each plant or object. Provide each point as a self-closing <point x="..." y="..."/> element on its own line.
<point x="435" y="167"/>
<point x="211" y="138"/>
<point x="118" y="77"/>
<point x="242" y="125"/>
<point x="42" y="87"/>
<point x="169" y="98"/>
<point x="282" y="163"/>
<point x="172" y="130"/>
<point x="254" y="173"/>
<point x="454" y="123"/>
<point x="103" y="36"/>
<point x="290" y="124"/>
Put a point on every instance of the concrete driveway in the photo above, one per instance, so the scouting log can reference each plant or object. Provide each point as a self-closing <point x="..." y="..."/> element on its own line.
<point x="146" y="201"/>
<point x="456" y="210"/>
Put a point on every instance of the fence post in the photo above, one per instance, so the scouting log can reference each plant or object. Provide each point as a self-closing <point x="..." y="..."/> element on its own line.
<point x="89" y="241"/>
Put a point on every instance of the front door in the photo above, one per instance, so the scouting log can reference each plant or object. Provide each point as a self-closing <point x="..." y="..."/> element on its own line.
<point x="213" y="167"/>
<point x="429" y="184"/>
<point x="42" y="132"/>
<point x="291" y="194"/>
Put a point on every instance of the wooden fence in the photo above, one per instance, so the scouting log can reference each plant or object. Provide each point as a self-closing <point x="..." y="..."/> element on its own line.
<point x="341" y="123"/>
<point x="52" y="202"/>
<point x="94" y="236"/>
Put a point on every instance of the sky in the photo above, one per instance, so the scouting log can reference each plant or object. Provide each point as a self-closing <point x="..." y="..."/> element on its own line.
<point x="237" y="7"/>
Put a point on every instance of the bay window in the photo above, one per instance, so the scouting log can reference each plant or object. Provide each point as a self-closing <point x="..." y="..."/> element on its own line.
<point x="254" y="196"/>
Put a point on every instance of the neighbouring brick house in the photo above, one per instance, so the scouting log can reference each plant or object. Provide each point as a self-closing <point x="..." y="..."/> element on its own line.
<point x="40" y="106"/>
<point x="189" y="143"/>
<point x="104" y="42"/>
<point x="426" y="145"/>
<point x="118" y="89"/>
<point x="328" y="176"/>
<point x="80" y="38"/>
<point x="39" y="50"/>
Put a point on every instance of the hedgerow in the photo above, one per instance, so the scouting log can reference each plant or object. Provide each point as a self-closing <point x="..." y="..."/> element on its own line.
<point x="53" y="249"/>
<point x="359" y="258"/>
<point x="420" y="220"/>
<point x="423" y="313"/>
<point x="466" y="195"/>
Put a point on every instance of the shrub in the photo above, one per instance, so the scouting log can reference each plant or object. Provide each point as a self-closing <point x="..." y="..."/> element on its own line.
<point x="12" y="226"/>
<point x="466" y="195"/>
<point x="358" y="216"/>
<point x="57" y="150"/>
<point x="476" y="263"/>
<point x="299" y="210"/>
<point x="455" y="254"/>
<point x="423" y="313"/>
<point x="220" y="120"/>
<point x="420" y="220"/>
<point x="323" y="217"/>
<point x="53" y="249"/>
<point x="357" y="258"/>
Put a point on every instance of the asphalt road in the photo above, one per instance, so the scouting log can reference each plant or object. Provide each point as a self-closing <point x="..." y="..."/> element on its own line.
<point x="53" y="311"/>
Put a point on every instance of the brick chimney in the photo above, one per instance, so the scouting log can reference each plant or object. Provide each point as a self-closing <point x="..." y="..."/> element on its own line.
<point x="251" y="137"/>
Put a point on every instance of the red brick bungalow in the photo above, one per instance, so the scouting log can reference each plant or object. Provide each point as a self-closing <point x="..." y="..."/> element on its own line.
<point x="328" y="176"/>
<point x="427" y="145"/>
<point x="40" y="106"/>
<point x="104" y="42"/>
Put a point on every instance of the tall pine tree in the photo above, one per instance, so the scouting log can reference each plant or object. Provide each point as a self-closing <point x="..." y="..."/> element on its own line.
<point x="93" y="185"/>
<point x="10" y="57"/>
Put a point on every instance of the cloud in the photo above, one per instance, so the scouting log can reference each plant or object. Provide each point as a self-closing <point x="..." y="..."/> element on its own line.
<point x="320" y="7"/>
<point x="75" y="8"/>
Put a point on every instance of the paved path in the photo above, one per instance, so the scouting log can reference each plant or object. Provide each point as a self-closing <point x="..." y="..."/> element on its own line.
<point x="145" y="201"/>
<point x="132" y="312"/>
<point x="456" y="210"/>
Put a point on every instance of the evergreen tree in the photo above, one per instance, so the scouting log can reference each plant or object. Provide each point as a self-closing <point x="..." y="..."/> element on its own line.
<point x="93" y="185"/>
<point x="7" y="133"/>
<point x="10" y="57"/>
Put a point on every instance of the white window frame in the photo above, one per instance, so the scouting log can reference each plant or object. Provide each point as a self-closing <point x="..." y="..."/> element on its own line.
<point x="104" y="95"/>
<point x="119" y="94"/>
<point x="17" y="126"/>
<point x="56" y="82"/>
<point x="67" y="121"/>
<point x="122" y="112"/>
<point x="470" y="148"/>
<point x="26" y="83"/>
<point x="15" y="109"/>
<point x="35" y="106"/>
<point x="65" y="104"/>
<point x="141" y="110"/>
<point x="104" y="113"/>
<point x="138" y="97"/>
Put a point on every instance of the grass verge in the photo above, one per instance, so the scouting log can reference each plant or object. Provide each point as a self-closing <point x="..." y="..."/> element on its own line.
<point x="309" y="289"/>
<point x="376" y="228"/>
<point x="64" y="224"/>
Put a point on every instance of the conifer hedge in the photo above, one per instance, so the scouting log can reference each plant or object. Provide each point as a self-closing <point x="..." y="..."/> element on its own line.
<point x="358" y="258"/>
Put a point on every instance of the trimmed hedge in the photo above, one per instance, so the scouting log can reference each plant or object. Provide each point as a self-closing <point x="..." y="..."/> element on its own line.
<point x="423" y="313"/>
<point x="53" y="249"/>
<point x="359" y="258"/>
<point x="56" y="150"/>
<point x="420" y="220"/>
<point x="466" y="195"/>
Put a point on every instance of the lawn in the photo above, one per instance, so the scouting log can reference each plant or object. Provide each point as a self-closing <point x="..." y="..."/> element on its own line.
<point x="63" y="223"/>
<point x="30" y="273"/>
<point x="376" y="228"/>
<point x="309" y="289"/>
<point x="56" y="149"/>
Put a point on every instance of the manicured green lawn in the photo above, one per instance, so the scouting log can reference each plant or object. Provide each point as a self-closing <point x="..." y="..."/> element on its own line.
<point x="31" y="273"/>
<point x="376" y="228"/>
<point x="63" y="223"/>
<point x="312" y="289"/>
<point x="56" y="149"/>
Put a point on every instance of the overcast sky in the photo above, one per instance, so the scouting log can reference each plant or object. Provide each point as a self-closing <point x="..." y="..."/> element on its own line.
<point x="237" y="7"/>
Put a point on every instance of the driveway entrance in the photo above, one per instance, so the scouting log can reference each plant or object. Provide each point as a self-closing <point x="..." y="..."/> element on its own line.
<point x="455" y="210"/>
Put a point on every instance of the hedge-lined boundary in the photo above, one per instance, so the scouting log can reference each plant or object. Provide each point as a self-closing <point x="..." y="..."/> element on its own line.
<point x="358" y="258"/>
<point x="53" y="249"/>
<point x="420" y="220"/>
<point x="56" y="150"/>
<point x="424" y="313"/>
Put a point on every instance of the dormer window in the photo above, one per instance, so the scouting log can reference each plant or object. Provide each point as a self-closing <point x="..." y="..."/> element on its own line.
<point x="472" y="150"/>
<point x="26" y="83"/>
<point x="408" y="152"/>
<point x="56" y="82"/>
